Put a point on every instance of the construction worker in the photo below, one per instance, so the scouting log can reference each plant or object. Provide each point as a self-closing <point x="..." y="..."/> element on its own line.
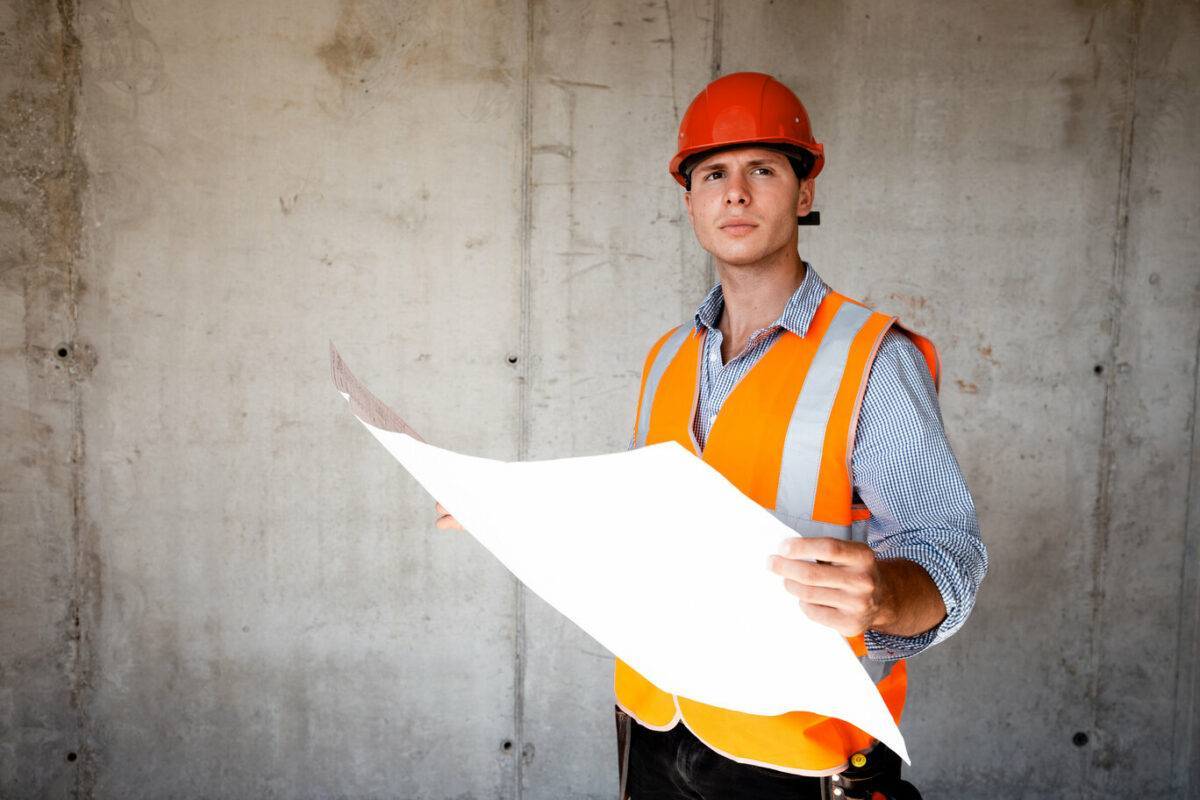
<point x="824" y="412"/>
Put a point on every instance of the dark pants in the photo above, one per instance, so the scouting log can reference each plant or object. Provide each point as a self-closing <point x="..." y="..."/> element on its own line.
<point x="675" y="765"/>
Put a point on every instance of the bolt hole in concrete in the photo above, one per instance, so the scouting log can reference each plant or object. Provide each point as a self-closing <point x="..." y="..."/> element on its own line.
<point x="512" y="359"/>
<point x="63" y="352"/>
<point x="507" y="745"/>
<point x="1080" y="739"/>
<point x="1098" y="369"/>
<point x="71" y="756"/>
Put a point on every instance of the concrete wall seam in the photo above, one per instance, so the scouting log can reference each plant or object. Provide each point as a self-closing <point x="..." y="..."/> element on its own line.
<point x="1107" y="448"/>
<point x="1185" y="736"/>
<point x="522" y="751"/>
<point x="85" y="602"/>
<point x="713" y="73"/>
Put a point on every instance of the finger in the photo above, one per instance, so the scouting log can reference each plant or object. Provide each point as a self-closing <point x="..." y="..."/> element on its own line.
<point x="853" y="608"/>
<point x="445" y="520"/>
<point x="825" y="549"/>
<point x="818" y="595"/>
<point x="830" y="617"/>
<point x="448" y="522"/>
<point x="829" y="575"/>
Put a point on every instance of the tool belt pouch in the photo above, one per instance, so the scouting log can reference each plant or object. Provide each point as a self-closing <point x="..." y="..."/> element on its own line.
<point x="878" y="778"/>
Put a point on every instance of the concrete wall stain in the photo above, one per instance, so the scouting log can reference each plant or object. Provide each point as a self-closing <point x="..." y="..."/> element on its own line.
<point x="353" y="47"/>
<point x="122" y="53"/>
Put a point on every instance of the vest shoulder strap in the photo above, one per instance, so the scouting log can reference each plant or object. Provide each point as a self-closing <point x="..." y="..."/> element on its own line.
<point x="836" y="468"/>
<point x="932" y="359"/>
<point x="660" y="355"/>
<point x="815" y="488"/>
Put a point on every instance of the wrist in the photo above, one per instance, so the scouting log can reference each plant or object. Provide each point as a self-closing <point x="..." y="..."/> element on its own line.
<point x="886" y="613"/>
<point x="910" y="603"/>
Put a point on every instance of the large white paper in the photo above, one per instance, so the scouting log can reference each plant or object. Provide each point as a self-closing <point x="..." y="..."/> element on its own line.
<point x="656" y="556"/>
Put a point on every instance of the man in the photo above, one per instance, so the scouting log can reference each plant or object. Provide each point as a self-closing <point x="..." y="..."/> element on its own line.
<point x="825" y="413"/>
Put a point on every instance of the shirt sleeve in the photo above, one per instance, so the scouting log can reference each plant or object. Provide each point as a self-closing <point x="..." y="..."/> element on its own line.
<point x="907" y="475"/>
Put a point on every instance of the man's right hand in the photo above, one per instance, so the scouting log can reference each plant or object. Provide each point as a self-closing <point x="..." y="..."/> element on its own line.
<point x="445" y="521"/>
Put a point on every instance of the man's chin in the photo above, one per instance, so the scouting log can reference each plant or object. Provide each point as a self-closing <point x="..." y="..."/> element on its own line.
<point x="739" y="257"/>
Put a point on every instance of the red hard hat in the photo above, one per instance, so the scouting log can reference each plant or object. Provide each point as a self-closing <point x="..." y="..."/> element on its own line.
<point x="745" y="108"/>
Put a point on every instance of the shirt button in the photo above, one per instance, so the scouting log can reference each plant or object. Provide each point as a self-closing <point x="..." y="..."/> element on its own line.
<point x="712" y="418"/>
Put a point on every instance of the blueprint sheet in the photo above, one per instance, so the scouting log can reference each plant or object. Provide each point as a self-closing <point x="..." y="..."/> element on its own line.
<point x="676" y="532"/>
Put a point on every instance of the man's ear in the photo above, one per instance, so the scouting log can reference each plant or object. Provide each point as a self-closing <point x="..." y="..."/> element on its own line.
<point x="804" y="201"/>
<point x="687" y="202"/>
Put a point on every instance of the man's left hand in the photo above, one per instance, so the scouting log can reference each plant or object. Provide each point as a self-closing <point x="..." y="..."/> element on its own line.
<point x="846" y="591"/>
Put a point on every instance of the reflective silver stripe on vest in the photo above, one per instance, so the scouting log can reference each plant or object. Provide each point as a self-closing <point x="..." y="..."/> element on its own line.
<point x="859" y="529"/>
<point x="805" y="439"/>
<point x="878" y="670"/>
<point x="808" y="527"/>
<point x="665" y="354"/>
<point x="804" y="444"/>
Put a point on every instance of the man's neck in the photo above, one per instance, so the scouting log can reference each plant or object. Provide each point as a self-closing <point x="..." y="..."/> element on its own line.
<point x="755" y="296"/>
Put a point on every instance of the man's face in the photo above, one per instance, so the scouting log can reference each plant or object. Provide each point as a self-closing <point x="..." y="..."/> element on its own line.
<point x="744" y="202"/>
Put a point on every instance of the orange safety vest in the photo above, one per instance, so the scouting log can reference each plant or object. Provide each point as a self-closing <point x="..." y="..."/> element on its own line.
<point x="784" y="436"/>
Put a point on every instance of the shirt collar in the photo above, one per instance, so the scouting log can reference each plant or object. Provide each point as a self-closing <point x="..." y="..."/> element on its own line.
<point x="797" y="314"/>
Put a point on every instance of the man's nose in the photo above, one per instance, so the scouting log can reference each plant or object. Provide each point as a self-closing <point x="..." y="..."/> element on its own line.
<point x="735" y="192"/>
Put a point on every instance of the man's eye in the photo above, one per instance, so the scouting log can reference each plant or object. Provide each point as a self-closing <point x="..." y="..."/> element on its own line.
<point x="763" y="169"/>
<point x="715" y="172"/>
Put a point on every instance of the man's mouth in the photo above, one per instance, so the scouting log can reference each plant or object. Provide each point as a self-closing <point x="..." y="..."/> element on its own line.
<point x="738" y="228"/>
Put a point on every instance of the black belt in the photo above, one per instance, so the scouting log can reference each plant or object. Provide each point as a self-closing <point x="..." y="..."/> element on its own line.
<point x="871" y="775"/>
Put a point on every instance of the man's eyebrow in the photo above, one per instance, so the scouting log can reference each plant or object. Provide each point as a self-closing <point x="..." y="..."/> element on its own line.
<point x="754" y="162"/>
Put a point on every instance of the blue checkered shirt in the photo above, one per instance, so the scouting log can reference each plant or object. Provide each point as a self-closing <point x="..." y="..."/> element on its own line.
<point x="904" y="470"/>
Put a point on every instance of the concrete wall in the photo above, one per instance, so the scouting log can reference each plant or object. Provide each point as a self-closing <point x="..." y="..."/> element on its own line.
<point x="214" y="584"/>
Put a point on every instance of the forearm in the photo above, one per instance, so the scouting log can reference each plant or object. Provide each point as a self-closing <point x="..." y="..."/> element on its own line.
<point x="910" y="601"/>
<point x="923" y="523"/>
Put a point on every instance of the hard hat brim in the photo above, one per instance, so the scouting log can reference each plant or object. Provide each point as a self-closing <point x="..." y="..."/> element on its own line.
<point x="681" y="159"/>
